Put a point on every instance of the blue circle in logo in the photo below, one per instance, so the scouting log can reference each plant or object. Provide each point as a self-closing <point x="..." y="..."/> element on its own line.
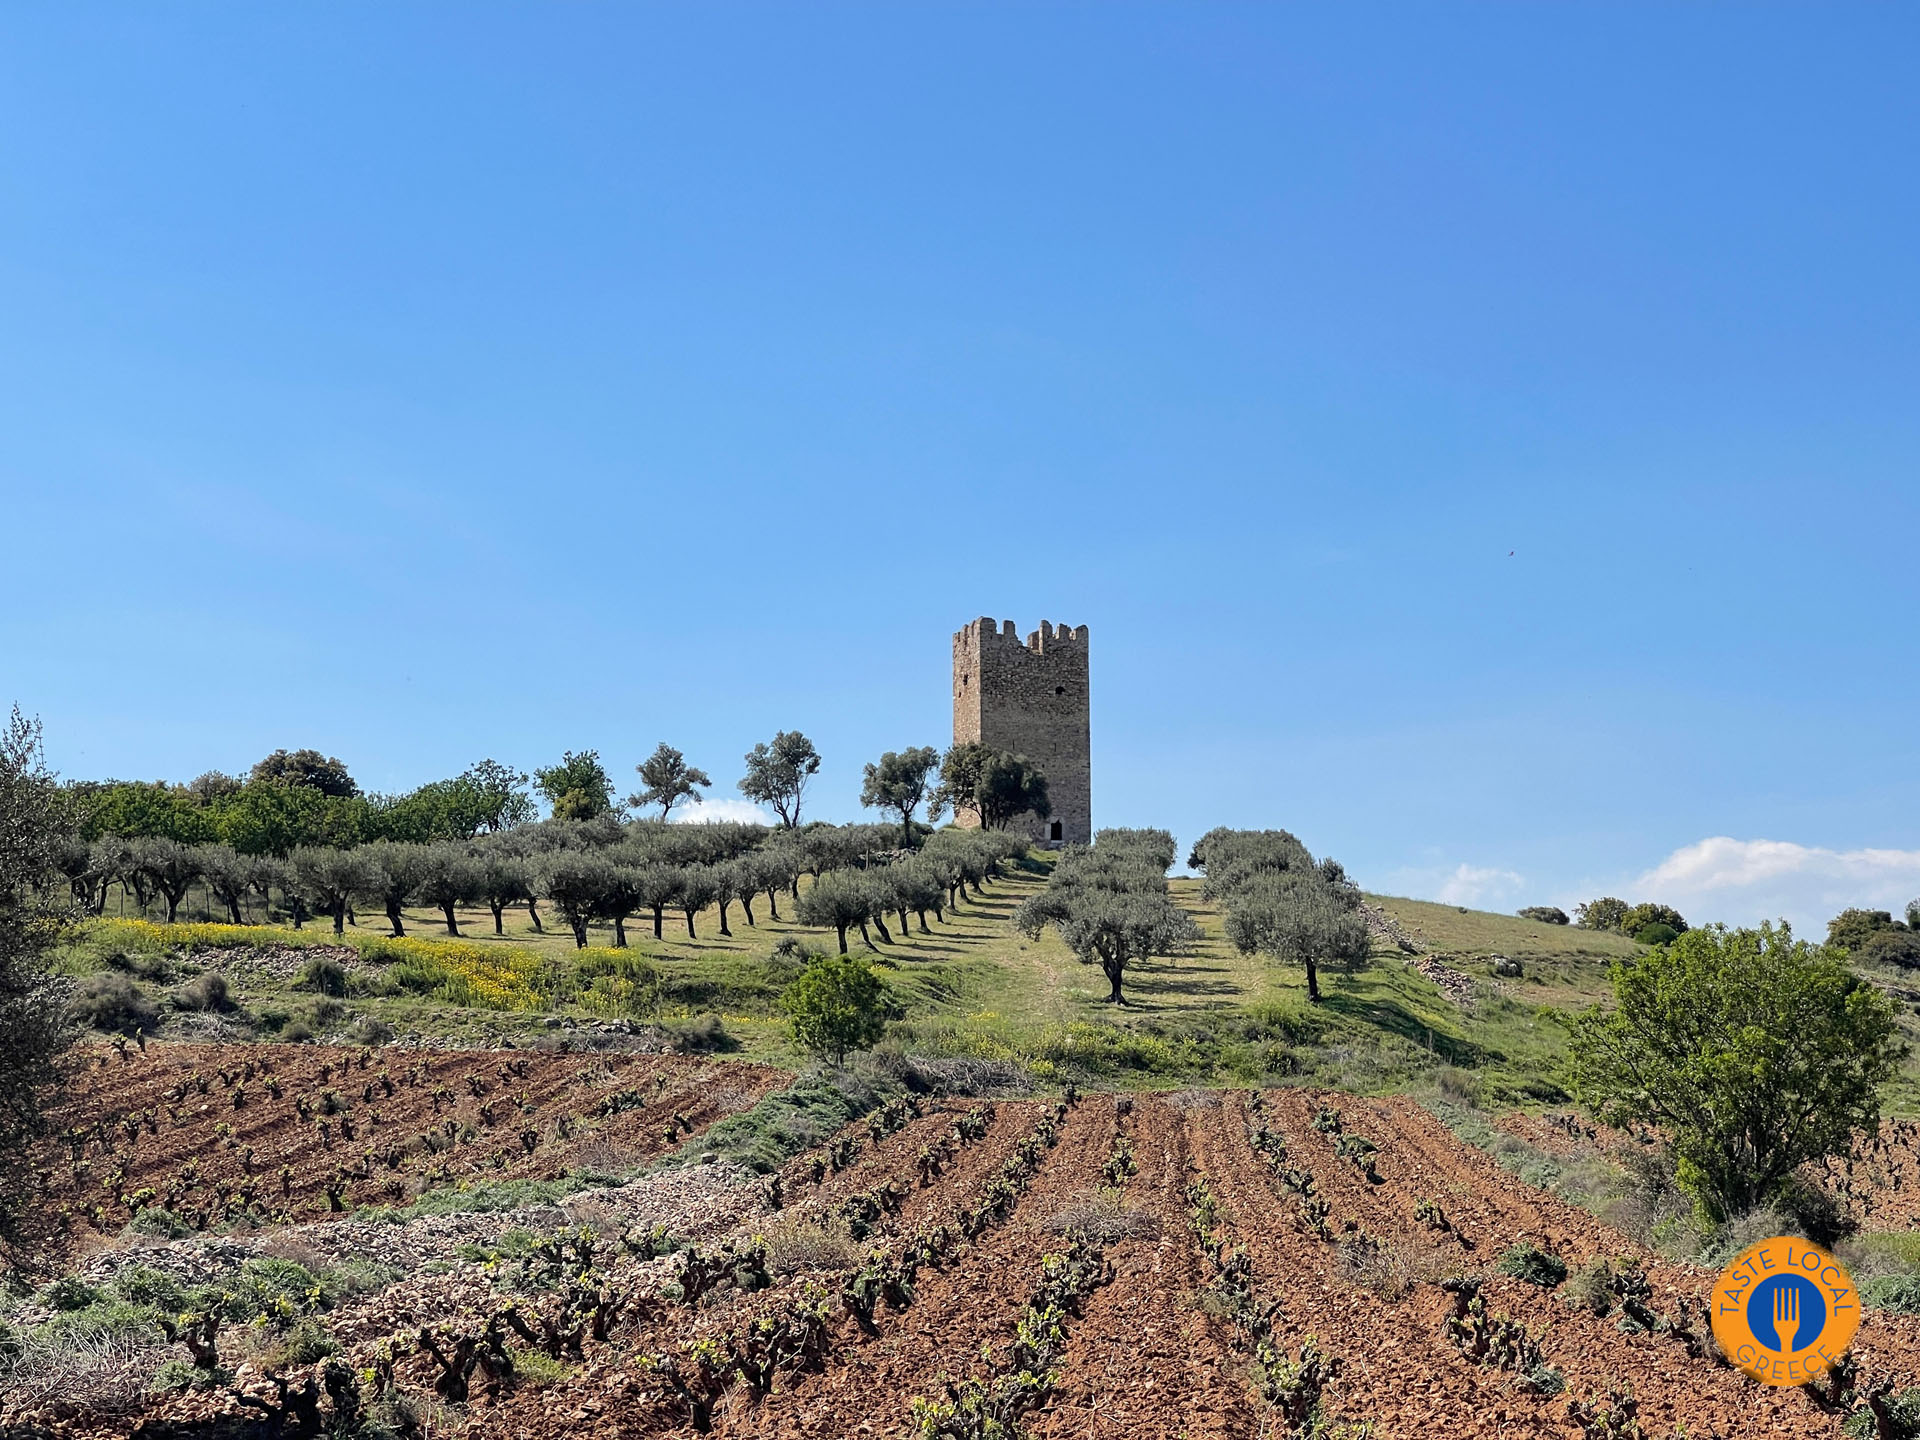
<point x="1786" y="1303"/>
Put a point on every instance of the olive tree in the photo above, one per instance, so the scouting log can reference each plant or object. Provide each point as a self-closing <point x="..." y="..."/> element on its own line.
<point x="394" y="874"/>
<point x="34" y="824"/>
<point x="228" y="875"/>
<point x="1296" y="922"/>
<point x="698" y="889"/>
<point x="503" y="879"/>
<point x="668" y="780"/>
<point x="777" y="774"/>
<point x="168" y="866"/>
<point x="837" y="901"/>
<point x="1110" y="905"/>
<point x="448" y="876"/>
<point x="576" y="882"/>
<point x="330" y="880"/>
<point x="899" y="783"/>
<point x="1756" y="1052"/>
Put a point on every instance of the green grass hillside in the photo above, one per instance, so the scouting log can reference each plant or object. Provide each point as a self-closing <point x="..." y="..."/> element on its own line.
<point x="973" y="987"/>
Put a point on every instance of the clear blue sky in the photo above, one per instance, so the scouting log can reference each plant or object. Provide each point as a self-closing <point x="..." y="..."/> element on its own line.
<point x="1481" y="439"/>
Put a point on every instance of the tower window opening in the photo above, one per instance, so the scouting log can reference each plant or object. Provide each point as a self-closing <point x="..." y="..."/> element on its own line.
<point x="1059" y="689"/>
<point x="1055" y="832"/>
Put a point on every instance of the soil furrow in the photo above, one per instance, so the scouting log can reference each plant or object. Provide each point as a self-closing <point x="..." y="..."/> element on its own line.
<point x="1145" y="1359"/>
<point x="870" y="1381"/>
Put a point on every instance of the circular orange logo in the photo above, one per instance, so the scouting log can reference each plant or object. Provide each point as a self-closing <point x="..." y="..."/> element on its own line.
<point x="1785" y="1311"/>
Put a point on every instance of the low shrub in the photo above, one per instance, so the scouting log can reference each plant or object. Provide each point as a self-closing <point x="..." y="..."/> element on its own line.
<point x="372" y="1032"/>
<point x="206" y="992"/>
<point x="795" y="1243"/>
<point x="790" y="1120"/>
<point x="305" y="1342"/>
<point x="160" y="1223"/>
<point x="69" y="1292"/>
<point x="1532" y="1264"/>
<point x="113" y="1003"/>
<point x="1903" y="1418"/>
<point x="1658" y="933"/>
<point x="144" y="1285"/>
<point x="700" y="1035"/>
<point x="1544" y="914"/>
<point x="1898" y="1293"/>
<point x="324" y="976"/>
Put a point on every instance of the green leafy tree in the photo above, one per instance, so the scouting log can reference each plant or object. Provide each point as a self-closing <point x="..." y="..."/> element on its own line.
<point x="578" y="788"/>
<point x="1605" y="913"/>
<point x="778" y="772"/>
<point x="305" y="769"/>
<point x="1644" y="917"/>
<point x="838" y="1004"/>
<point x="278" y="819"/>
<point x="668" y="780"/>
<point x="995" y="786"/>
<point x="1896" y="945"/>
<point x="899" y="783"/>
<point x="35" y="823"/>
<point x="498" y="796"/>
<point x="1850" y="929"/>
<point x="1756" y="1052"/>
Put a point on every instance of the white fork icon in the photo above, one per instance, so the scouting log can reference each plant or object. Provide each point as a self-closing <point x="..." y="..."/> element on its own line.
<point x="1786" y="1316"/>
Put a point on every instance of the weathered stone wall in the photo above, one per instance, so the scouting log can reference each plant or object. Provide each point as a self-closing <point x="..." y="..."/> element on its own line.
<point x="1031" y="698"/>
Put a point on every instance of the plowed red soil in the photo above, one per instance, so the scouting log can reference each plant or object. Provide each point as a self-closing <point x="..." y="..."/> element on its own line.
<point x="1153" y="1353"/>
<point x="557" y="1099"/>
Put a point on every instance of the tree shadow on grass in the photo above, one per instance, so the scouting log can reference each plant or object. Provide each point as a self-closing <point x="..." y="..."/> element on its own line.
<point x="1396" y="1018"/>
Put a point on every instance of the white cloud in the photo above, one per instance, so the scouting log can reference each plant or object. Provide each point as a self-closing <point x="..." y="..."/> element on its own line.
<point x="1745" y="881"/>
<point x="1464" y="884"/>
<point x="699" y="812"/>
<point x="1477" y="885"/>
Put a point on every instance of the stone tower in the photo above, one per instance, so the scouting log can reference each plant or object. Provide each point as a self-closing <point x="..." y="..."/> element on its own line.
<point x="1030" y="698"/>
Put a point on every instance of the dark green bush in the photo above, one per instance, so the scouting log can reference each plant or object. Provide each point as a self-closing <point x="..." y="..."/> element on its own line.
<point x="700" y="1035"/>
<point x="1656" y="934"/>
<point x="1641" y="916"/>
<point x="208" y="992"/>
<point x="113" y="1003"/>
<point x="1851" y="928"/>
<point x="1527" y="1262"/>
<point x="69" y="1292"/>
<point x="1545" y="914"/>
<point x="1903" y="1418"/>
<point x="144" y="1285"/>
<point x="1899" y="948"/>
<point x="327" y="977"/>
<point x="1898" y="1293"/>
